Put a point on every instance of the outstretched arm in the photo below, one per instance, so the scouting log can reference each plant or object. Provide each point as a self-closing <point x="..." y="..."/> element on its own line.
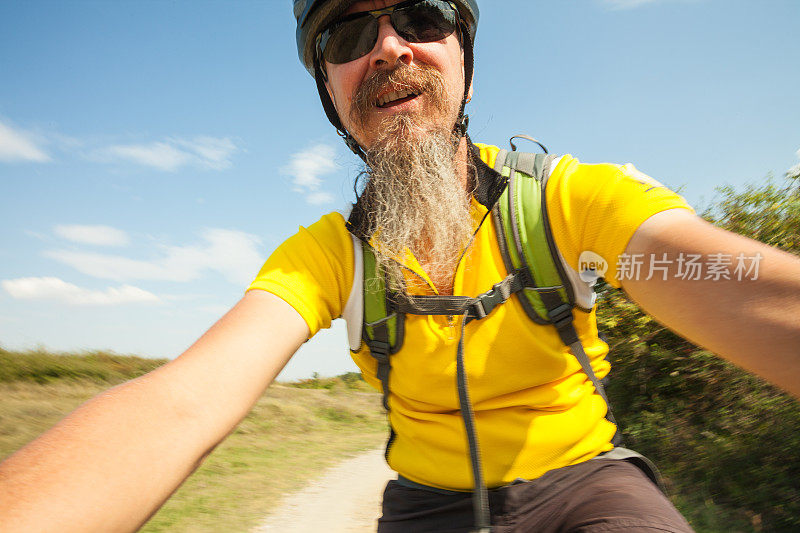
<point x="754" y="323"/>
<point x="112" y="463"/>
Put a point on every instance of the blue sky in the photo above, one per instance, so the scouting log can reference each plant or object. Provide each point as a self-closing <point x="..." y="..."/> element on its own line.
<point x="152" y="154"/>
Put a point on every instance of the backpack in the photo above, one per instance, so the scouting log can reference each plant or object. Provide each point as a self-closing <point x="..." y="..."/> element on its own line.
<point x="537" y="277"/>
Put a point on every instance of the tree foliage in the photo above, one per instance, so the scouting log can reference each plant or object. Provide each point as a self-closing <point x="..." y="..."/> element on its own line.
<point x="728" y="443"/>
<point x="768" y="212"/>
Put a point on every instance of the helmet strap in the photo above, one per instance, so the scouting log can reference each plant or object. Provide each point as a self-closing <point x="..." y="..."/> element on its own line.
<point x="462" y="125"/>
<point x="333" y="115"/>
<point x="351" y="143"/>
<point x="462" y="121"/>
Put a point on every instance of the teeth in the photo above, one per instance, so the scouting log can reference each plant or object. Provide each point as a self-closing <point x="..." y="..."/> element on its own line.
<point x="392" y="96"/>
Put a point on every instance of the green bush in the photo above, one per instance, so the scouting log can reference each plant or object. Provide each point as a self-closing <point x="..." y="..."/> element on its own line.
<point x="728" y="442"/>
<point x="721" y="436"/>
<point x="349" y="380"/>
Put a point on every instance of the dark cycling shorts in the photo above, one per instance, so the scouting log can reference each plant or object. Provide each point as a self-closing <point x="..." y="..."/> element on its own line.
<point x="598" y="495"/>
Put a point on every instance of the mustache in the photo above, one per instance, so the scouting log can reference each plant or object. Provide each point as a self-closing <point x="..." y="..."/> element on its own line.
<point x="418" y="79"/>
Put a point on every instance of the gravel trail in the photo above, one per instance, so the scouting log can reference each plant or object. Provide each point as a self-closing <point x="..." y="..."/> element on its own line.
<point x="345" y="498"/>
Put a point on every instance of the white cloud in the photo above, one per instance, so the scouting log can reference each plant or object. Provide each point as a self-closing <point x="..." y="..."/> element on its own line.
<point x="98" y="235"/>
<point x="50" y="288"/>
<point x="169" y="154"/>
<point x="306" y="168"/>
<point x="210" y="152"/>
<point x="234" y="254"/>
<point x="16" y="145"/>
<point x="157" y="155"/>
<point x="319" y="198"/>
<point x="172" y="154"/>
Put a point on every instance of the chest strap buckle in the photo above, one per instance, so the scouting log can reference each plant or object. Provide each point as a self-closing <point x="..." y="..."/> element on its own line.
<point x="499" y="293"/>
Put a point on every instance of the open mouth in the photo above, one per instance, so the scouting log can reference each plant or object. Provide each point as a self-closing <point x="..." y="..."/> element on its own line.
<point x="395" y="98"/>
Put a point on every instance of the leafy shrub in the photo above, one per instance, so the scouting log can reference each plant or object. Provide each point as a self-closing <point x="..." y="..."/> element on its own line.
<point x="728" y="442"/>
<point x="349" y="380"/>
<point x="713" y="429"/>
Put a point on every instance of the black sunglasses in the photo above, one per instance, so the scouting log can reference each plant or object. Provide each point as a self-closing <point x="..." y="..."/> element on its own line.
<point x="416" y="21"/>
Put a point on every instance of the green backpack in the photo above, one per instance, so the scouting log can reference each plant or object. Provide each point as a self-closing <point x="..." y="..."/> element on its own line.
<point x="536" y="276"/>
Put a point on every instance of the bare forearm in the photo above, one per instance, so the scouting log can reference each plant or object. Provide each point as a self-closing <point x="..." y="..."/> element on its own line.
<point x="110" y="464"/>
<point x="127" y="449"/>
<point x="752" y="322"/>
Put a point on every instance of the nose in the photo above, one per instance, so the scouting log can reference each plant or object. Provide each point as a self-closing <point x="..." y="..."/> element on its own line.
<point x="390" y="48"/>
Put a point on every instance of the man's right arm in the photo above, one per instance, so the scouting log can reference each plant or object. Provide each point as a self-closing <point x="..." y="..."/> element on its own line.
<point x="110" y="464"/>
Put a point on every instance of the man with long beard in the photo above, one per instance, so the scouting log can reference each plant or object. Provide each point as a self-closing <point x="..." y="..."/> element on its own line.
<point x="394" y="79"/>
<point x="418" y="187"/>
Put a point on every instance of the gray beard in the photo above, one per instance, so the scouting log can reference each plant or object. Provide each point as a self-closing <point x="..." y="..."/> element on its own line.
<point x="414" y="199"/>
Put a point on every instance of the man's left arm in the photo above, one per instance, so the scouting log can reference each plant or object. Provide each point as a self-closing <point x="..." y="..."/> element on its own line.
<point x="753" y="322"/>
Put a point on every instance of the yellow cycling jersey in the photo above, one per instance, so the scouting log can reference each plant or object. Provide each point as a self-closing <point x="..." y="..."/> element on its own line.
<point x="535" y="410"/>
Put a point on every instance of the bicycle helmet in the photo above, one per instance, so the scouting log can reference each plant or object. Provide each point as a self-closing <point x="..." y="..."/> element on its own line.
<point x="313" y="16"/>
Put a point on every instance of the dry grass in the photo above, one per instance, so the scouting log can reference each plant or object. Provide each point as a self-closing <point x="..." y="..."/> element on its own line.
<point x="28" y="409"/>
<point x="288" y="437"/>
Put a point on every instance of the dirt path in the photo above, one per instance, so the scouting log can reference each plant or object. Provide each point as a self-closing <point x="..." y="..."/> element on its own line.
<point x="345" y="498"/>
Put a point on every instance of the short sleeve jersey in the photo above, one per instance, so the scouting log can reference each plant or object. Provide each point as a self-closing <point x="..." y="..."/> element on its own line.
<point x="535" y="410"/>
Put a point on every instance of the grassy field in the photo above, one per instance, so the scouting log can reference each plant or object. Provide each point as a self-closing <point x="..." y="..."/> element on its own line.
<point x="732" y="470"/>
<point x="290" y="435"/>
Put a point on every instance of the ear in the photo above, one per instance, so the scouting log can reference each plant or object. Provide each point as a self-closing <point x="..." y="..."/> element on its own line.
<point x="328" y="88"/>
<point x="464" y="74"/>
<point x="330" y="93"/>
<point x="323" y="78"/>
